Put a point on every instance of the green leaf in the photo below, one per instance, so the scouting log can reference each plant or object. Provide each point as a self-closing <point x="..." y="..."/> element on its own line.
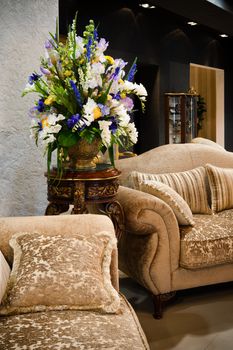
<point x="67" y="139"/>
<point x="111" y="155"/>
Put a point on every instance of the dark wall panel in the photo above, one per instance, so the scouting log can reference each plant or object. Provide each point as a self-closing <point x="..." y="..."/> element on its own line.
<point x="165" y="46"/>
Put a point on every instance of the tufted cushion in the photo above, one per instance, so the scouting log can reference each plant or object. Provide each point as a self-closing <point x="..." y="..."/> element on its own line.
<point x="208" y="243"/>
<point x="59" y="273"/>
<point x="190" y="185"/>
<point x="221" y="186"/>
<point x="4" y="274"/>
<point x="171" y="197"/>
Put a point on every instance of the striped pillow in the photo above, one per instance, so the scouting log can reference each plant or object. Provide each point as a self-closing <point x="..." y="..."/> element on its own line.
<point x="190" y="185"/>
<point x="172" y="198"/>
<point x="221" y="187"/>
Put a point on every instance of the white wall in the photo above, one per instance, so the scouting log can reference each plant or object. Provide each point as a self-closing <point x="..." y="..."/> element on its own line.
<point x="24" y="26"/>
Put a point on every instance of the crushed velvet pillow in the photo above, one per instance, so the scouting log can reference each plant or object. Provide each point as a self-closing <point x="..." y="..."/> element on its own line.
<point x="190" y="185"/>
<point x="4" y="274"/>
<point x="172" y="198"/>
<point x="221" y="187"/>
<point x="59" y="273"/>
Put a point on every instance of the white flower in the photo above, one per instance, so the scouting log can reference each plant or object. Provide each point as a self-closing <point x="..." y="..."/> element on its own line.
<point x="88" y="111"/>
<point x="132" y="131"/>
<point x="53" y="118"/>
<point x="140" y="91"/>
<point x="121" y="112"/>
<point x="49" y="139"/>
<point x="29" y="88"/>
<point x="79" y="46"/>
<point x="106" y="133"/>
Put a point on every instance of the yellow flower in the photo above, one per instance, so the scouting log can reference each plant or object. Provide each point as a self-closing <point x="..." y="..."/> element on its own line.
<point x="49" y="100"/>
<point x="110" y="59"/>
<point x="123" y="95"/>
<point x="97" y="112"/>
<point x="120" y="81"/>
<point x="68" y="73"/>
<point x="44" y="122"/>
<point x="109" y="97"/>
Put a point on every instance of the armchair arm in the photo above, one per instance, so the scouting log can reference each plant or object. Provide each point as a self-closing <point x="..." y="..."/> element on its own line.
<point x="149" y="248"/>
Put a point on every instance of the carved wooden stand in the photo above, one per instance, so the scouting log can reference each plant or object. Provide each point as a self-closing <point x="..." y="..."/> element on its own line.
<point x="81" y="188"/>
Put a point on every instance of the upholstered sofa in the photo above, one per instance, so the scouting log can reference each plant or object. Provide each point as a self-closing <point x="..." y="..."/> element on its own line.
<point x="166" y="245"/>
<point x="63" y="289"/>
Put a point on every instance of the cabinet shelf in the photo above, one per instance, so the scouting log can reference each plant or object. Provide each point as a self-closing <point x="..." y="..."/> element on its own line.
<point x="181" y="117"/>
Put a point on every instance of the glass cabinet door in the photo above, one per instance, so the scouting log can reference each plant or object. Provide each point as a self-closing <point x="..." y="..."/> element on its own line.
<point x="181" y="117"/>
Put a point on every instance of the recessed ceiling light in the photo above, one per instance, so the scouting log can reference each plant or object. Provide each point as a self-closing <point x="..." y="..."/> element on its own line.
<point x="147" y="6"/>
<point x="223" y="35"/>
<point x="192" y="23"/>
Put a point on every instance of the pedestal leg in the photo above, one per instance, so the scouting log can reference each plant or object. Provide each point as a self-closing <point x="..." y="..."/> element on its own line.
<point x="115" y="212"/>
<point x="79" y="198"/>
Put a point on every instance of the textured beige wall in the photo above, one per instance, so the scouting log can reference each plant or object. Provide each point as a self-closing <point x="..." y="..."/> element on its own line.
<point x="24" y="26"/>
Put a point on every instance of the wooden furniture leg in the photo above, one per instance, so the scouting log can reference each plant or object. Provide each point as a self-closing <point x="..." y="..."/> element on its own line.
<point x="160" y="301"/>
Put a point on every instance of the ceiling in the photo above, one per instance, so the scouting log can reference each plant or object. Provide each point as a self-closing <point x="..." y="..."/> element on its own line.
<point x="215" y="14"/>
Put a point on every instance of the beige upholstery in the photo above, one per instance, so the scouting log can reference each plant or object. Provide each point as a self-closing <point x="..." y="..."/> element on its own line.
<point x="151" y="250"/>
<point x="67" y="328"/>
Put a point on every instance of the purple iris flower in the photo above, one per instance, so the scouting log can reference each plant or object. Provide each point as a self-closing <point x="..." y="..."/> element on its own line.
<point x="114" y="75"/>
<point x="113" y="126"/>
<point x="116" y="96"/>
<point x="89" y="48"/>
<point x="40" y="106"/>
<point x="76" y="92"/>
<point x="44" y="71"/>
<point x="104" y="109"/>
<point x="33" y="77"/>
<point x="73" y="120"/>
<point x="48" y="44"/>
<point x="128" y="103"/>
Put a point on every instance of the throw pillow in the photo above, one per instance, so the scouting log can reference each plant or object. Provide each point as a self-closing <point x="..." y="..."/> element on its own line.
<point x="59" y="273"/>
<point x="172" y="198"/>
<point x="190" y="185"/>
<point x="4" y="274"/>
<point x="221" y="187"/>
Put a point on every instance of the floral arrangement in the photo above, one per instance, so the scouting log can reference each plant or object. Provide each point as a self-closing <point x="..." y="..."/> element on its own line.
<point x="83" y="93"/>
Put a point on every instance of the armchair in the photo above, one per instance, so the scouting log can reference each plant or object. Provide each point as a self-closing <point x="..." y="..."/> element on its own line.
<point x="154" y="249"/>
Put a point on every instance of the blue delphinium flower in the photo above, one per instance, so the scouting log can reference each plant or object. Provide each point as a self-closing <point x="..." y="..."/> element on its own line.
<point x="33" y="77"/>
<point x="40" y="106"/>
<point x="88" y="54"/>
<point x="77" y="93"/>
<point x="73" y="120"/>
<point x="132" y="72"/>
<point x="96" y="37"/>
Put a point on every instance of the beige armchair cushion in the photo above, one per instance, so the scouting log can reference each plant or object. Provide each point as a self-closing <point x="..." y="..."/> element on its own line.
<point x="221" y="186"/>
<point x="190" y="185"/>
<point x="208" y="243"/>
<point x="171" y="197"/>
<point x="60" y="273"/>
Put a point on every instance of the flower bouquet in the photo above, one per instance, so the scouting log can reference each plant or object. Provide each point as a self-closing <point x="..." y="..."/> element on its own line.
<point x="83" y="95"/>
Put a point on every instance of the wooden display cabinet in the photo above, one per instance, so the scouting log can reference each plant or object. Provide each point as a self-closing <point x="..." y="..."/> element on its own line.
<point x="181" y="117"/>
